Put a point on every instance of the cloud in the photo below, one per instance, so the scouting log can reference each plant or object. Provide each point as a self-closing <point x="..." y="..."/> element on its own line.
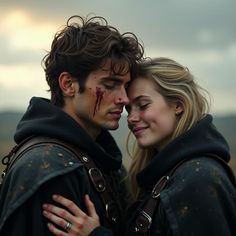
<point x="19" y="83"/>
<point x="200" y="34"/>
<point x="21" y="39"/>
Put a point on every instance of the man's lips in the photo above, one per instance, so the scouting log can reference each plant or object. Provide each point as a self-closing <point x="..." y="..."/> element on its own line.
<point x="116" y="114"/>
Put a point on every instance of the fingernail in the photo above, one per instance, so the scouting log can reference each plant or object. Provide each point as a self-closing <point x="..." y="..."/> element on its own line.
<point x="55" y="196"/>
<point x="49" y="225"/>
<point x="45" y="213"/>
<point x="45" y="206"/>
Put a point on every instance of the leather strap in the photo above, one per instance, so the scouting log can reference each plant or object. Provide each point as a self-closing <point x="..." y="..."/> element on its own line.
<point x="144" y="220"/>
<point x="95" y="175"/>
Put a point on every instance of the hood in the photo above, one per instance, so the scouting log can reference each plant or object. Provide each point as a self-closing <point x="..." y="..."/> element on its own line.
<point x="201" y="140"/>
<point x="45" y="119"/>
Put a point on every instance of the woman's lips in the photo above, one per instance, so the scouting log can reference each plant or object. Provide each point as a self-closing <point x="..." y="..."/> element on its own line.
<point x="138" y="130"/>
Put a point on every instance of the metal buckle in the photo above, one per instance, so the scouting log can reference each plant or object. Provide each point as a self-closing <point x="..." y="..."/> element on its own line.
<point x="2" y="177"/>
<point x="144" y="223"/>
<point x="112" y="211"/>
<point x="97" y="179"/>
<point x="156" y="190"/>
<point x="148" y="217"/>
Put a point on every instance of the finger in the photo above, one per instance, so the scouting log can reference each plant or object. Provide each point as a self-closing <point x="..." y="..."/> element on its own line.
<point x="62" y="213"/>
<point x="55" y="230"/>
<point x="68" y="204"/>
<point x="55" y="219"/>
<point x="90" y="206"/>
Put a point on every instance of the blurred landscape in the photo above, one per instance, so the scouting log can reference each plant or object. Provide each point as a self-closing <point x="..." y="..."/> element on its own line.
<point x="8" y="121"/>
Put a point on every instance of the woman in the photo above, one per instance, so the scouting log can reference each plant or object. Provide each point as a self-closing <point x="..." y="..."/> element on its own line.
<point x="177" y="145"/>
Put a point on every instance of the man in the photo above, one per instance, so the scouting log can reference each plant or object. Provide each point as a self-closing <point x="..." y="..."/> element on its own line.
<point x="87" y="70"/>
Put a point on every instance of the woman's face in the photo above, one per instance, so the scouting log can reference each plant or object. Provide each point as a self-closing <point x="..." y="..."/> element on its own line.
<point x="151" y="119"/>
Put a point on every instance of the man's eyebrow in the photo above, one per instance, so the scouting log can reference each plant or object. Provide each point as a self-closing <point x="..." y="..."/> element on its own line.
<point x="111" y="78"/>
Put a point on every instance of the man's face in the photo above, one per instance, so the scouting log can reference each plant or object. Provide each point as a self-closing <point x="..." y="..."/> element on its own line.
<point x="101" y="103"/>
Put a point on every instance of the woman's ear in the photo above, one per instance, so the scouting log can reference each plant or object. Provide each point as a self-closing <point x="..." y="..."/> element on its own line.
<point x="66" y="84"/>
<point x="179" y="108"/>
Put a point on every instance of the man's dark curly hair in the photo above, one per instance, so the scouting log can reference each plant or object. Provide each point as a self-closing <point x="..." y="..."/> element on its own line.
<point x="83" y="46"/>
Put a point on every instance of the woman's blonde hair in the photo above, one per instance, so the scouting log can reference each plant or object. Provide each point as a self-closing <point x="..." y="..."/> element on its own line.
<point x="176" y="84"/>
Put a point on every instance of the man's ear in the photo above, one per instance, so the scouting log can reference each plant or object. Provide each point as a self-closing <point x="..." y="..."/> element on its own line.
<point x="66" y="84"/>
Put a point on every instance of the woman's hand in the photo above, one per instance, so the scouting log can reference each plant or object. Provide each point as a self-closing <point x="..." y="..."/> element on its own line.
<point x="73" y="220"/>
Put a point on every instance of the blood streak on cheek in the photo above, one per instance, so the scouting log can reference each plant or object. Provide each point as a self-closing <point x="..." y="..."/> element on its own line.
<point x="99" y="97"/>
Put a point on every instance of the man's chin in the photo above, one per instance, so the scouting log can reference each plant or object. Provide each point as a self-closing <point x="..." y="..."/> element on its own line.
<point x="112" y="126"/>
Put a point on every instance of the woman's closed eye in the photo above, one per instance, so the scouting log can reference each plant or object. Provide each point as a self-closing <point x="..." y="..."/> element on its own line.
<point x="143" y="106"/>
<point x="139" y="106"/>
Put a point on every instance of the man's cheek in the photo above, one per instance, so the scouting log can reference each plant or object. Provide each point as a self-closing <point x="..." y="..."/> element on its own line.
<point x="99" y="97"/>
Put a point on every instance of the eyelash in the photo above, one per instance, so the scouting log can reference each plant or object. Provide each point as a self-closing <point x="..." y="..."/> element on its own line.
<point x="109" y="87"/>
<point x="142" y="107"/>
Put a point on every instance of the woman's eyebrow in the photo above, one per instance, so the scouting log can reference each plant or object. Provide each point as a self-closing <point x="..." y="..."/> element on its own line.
<point x="140" y="97"/>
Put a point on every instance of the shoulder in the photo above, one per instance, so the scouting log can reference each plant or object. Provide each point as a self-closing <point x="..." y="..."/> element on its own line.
<point x="199" y="189"/>
<point x="39" y="165"/>
<point x="200" y="181"/>
<point x="47" y="157"/>
<point x="201" y="171"/>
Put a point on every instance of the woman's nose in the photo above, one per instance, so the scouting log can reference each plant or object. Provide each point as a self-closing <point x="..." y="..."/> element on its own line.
<point x="133" y="117"/>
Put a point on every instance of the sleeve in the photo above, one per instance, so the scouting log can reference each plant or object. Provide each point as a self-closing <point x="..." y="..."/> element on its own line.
<point x="201" y="200"/>
<point x="28" y="218"/>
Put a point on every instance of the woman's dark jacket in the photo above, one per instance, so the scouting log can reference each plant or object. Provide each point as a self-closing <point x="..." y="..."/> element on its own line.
<point x="200" y="198"/>
<point x="48" y="170"/>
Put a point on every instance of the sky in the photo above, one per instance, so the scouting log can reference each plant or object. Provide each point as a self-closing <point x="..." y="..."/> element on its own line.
<point x="199" y="34"/>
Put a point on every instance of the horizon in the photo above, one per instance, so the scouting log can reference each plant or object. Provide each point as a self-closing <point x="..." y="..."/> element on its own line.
<point x="22" y="111"/>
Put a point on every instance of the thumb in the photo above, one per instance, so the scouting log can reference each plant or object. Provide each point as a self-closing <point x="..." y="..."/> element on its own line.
<point x="90" y="206"/>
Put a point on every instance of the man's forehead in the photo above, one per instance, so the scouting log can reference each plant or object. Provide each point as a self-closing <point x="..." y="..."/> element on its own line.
<point x="115" y="67"/>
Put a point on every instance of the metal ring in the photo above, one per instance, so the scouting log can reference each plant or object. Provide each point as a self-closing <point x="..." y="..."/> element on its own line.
<point x="68" y="226"/>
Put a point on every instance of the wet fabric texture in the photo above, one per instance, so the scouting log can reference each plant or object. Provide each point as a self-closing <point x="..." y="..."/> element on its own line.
<point x="200" y="198"/>
<point x="52" y="169"/>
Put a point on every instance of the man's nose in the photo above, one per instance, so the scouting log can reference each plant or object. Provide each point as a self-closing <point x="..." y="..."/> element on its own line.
<point x="122" y="97"/>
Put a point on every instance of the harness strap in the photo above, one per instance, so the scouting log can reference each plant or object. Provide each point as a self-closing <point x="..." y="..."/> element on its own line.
<point x="15" y="154"/>
<point x="144" y="220"/>
<point x="95" y="175"/>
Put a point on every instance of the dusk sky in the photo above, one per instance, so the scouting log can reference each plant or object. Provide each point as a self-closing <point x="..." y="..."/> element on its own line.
<point x="199" y="34"/>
